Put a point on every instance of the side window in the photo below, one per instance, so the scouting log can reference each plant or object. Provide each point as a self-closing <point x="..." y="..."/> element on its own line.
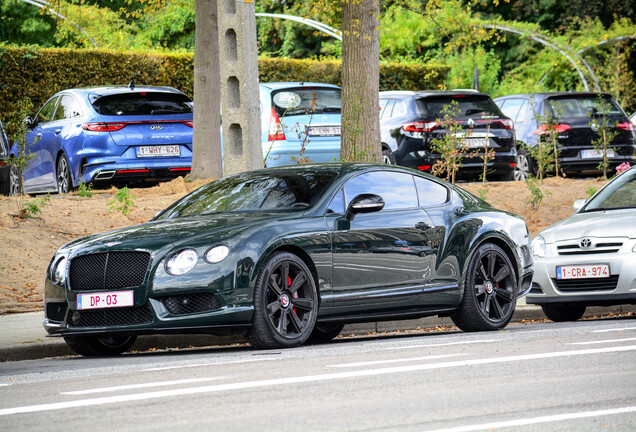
<point x="68" y="108"/>
<point x="383" y="103"/>
<point x="430" y="193"/>
<point x="387" y="110"/>
<point x="396" y="189"/>
<point x="523" y="112"/>
<point x="46" y="113"/>
<point x="337" y="203"/>
<point x="398" y="109"/>
<point x="510" y="108"/>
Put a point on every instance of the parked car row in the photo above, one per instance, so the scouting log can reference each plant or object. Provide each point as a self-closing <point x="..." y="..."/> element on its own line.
<point x="137" y="133"/>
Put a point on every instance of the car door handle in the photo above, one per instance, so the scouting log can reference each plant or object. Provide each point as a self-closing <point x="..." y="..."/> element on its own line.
<point x="57" y="131"/>
<point x="422" y="226"/>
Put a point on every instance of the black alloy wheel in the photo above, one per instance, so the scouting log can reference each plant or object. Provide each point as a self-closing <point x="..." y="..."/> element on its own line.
<point x="64" y="182"/>
<point x="285" y="303"/>
<point x="91" y="346"/>
<point x="490" y="291"/>
<point x="563" y="312"/>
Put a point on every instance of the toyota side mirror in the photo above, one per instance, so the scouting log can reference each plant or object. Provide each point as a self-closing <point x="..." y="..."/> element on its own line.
<point x="578" y="204"/>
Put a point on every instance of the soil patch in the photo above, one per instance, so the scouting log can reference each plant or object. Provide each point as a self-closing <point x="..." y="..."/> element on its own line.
<point x="27" y="246"/>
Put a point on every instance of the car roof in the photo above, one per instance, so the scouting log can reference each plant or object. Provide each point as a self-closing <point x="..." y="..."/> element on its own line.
<point x="552" y="94"/>
<point x="280" y="85"/>
<point x="118" y="89"/>
<point x="432" y="93"/>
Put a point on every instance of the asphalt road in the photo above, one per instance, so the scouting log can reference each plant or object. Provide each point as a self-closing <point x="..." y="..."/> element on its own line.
<point x="530" y="377"/>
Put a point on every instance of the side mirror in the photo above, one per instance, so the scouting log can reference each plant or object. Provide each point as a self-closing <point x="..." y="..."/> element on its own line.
<point x="28" y="122"/>
<point x="364" y="203"/>
<point x="578" y="204"/>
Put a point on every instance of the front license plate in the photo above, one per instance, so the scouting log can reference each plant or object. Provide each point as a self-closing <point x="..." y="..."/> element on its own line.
<point x="596" y="154"/>
<point x="324" y="131"/>
<point x="105" y="300"/>
<point x="155" y="151"/>
<point x="583" y="271"/>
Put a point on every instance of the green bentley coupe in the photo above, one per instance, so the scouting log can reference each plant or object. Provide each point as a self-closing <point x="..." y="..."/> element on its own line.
<point x="287" y="254"/>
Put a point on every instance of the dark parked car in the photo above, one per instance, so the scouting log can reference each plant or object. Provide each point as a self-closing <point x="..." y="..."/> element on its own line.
<point x="108" y="134"/>
<point x="572" y="115"/>
<point x="5" y="170"/>
<point x="409" y="121"/>
<point x="288" y="253"/>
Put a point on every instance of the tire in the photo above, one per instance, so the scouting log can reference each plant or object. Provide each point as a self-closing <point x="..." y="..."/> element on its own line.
<point x="387" y="157"/>
<point x="490" y="291"/>
<point x="91" y="346"/>
<point x="563" y="312"/>
<point x="325" y="331"/>
<point x="64" y="182"/>
<point x="524" y="166"/>
<point x="285" y="303"/>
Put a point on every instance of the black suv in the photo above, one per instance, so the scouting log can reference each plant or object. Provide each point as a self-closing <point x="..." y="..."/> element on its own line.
<point x="409" y="121"/>
<point x="572" y="115"/>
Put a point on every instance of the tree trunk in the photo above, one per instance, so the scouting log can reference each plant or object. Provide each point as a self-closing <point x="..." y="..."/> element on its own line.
<point x="206" y="152"/>
<point x="361" y="81"/>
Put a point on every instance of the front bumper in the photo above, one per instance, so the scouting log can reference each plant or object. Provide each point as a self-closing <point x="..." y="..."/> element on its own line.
<point x="619" y="288"/>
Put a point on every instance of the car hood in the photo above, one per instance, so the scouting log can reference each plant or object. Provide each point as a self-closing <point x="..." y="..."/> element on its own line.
<point x="157" y="235"/>
<point x="608" y="223"/>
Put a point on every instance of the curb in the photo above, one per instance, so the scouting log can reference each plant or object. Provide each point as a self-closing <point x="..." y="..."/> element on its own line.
<point x="24" y="347"/>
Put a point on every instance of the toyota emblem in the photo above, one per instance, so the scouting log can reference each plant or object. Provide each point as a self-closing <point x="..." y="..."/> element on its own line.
<point x="586" y="243"/>
<point x="155" y="127"/>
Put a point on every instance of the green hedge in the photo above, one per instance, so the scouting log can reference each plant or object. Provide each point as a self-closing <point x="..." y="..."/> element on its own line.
<point x="38" y="73"/>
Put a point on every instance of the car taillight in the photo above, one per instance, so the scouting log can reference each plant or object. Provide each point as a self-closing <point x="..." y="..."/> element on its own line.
<point x="420" y="126"/>
<point x="424" y="167"/>
<point x="103" y="127"/>
<point x="189" y="123"/>
<point x="507" y="123"/>
<point x="276" y="132"/>
<point x="544" y="129"/>
<point x="628" y="126"/>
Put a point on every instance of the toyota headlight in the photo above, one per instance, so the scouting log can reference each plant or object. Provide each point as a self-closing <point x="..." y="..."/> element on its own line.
<point x="538" y="246"/>
<point x="217" y="254"/>
<point x="182" y="262"/>
<point x="59" y="271"/>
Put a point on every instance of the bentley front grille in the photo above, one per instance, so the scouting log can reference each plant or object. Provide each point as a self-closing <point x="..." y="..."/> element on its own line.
<point x="108" y="270"/>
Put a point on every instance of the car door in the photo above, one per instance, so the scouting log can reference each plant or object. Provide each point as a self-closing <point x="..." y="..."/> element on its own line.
<point x="379" y="259"/>
<point x="37" y="139"/>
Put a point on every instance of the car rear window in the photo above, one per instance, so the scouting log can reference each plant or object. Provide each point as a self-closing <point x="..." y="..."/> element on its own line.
<point x="583" y="106"/>
<point x="469" y="105"/>
<point x="306" y="100"/>
<point x="143" y="103"/>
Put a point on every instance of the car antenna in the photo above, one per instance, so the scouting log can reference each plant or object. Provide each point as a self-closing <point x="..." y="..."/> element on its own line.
<point x="131" y="84"/>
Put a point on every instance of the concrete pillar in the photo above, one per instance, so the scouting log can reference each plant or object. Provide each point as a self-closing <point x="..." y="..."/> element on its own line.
<point x="242" y="148"/>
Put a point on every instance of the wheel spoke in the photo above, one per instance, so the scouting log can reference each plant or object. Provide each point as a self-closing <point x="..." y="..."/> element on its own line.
<point x="297" y="282"/>
<point x="296" y="322"/>
<point x="480" y="289"/>
<point x="503" y="272"/>
<point x="273" y="307"/>
<point x="498" y="310"/>
<point x="504" y="294"/>
<point x="284" y="275"/>
<point x="282" y="324"/>
<point x="482" y="271"/>
<point x="273" y="285"/>
<point x="491" y="263"/>
<point x="303" y="303"/>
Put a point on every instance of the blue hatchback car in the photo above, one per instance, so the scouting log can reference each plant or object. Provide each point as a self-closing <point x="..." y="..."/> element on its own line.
<point x="300" y="122"/>
<point x="108" y="134"/>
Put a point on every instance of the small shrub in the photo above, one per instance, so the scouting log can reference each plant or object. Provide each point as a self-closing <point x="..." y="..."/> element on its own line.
<point x="123" y="201"/>
<point x="85" y="190"/>
<point x="591" y="190"/>
<point x="536" y="193"/>
<point x="34" y="208"/>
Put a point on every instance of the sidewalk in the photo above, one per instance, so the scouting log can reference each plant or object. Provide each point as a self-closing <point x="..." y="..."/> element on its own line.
<point x="22" y="336"/>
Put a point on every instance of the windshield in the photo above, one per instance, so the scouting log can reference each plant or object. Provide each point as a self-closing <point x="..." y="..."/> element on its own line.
<point x="468" y="105"/>
<point x="258" y="192"/>
<point x="143" y="103"/>
<point x="619" y="194"/>
<point x="306" y="100"/>
<point x="583" y="106"/>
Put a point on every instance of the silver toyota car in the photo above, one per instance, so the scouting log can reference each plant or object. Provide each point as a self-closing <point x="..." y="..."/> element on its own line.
<point x="588" y="259"/>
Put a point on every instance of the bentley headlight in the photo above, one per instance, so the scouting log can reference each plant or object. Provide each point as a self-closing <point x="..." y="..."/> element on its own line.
<point x="217" y="254"/>
<point x="538" y="246"/>
<point x="59" y="270"/>
<point x="182" y="262"/>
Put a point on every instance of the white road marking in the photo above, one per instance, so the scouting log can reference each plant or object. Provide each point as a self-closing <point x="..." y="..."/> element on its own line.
<point x="442" y="344"/>
<point x="209" y="364"/>
<point x="402" y="360"/>
<point x="536" y="420"/>
<point x="139" y="386"/>
<point x="302" y="379"/>
<point x="602" y="341"/>
<point x="614" y="330"/>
